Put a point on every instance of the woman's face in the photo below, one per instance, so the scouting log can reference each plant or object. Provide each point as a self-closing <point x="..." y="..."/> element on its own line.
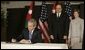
<point x="76" y="14"/>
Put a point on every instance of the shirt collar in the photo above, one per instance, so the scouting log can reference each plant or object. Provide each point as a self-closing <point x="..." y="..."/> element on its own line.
<point x="32" y="31"/>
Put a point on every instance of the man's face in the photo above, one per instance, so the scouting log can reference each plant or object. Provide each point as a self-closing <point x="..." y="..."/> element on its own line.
<point x="30" y="26"/>
<point x="58" y="8"/>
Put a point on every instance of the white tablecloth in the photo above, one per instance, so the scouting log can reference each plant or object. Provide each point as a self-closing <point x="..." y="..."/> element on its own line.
<point x="33" y="46"/>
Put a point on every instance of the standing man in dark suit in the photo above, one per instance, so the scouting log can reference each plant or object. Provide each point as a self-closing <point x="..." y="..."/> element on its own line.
<point x="30" y="34"/>
<point x="58" y="25"/>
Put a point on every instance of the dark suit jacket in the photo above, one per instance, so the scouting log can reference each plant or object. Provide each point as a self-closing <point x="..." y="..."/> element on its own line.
<point x="36" y="36"/>
<point x="58" y="26"/>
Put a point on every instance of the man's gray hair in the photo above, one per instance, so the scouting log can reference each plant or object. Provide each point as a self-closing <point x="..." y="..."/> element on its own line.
<point x="33" y="21"/>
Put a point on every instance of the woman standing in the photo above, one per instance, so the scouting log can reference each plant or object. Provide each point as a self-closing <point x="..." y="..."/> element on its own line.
<point x="76" y="31"/>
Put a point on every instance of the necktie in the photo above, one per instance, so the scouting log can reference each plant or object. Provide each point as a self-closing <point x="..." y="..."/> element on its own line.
<point x="57" y="14"/>
<point x="30" y="36"/>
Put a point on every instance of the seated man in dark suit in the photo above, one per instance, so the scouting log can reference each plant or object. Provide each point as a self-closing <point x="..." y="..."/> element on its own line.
<point x="30" y="34"/>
